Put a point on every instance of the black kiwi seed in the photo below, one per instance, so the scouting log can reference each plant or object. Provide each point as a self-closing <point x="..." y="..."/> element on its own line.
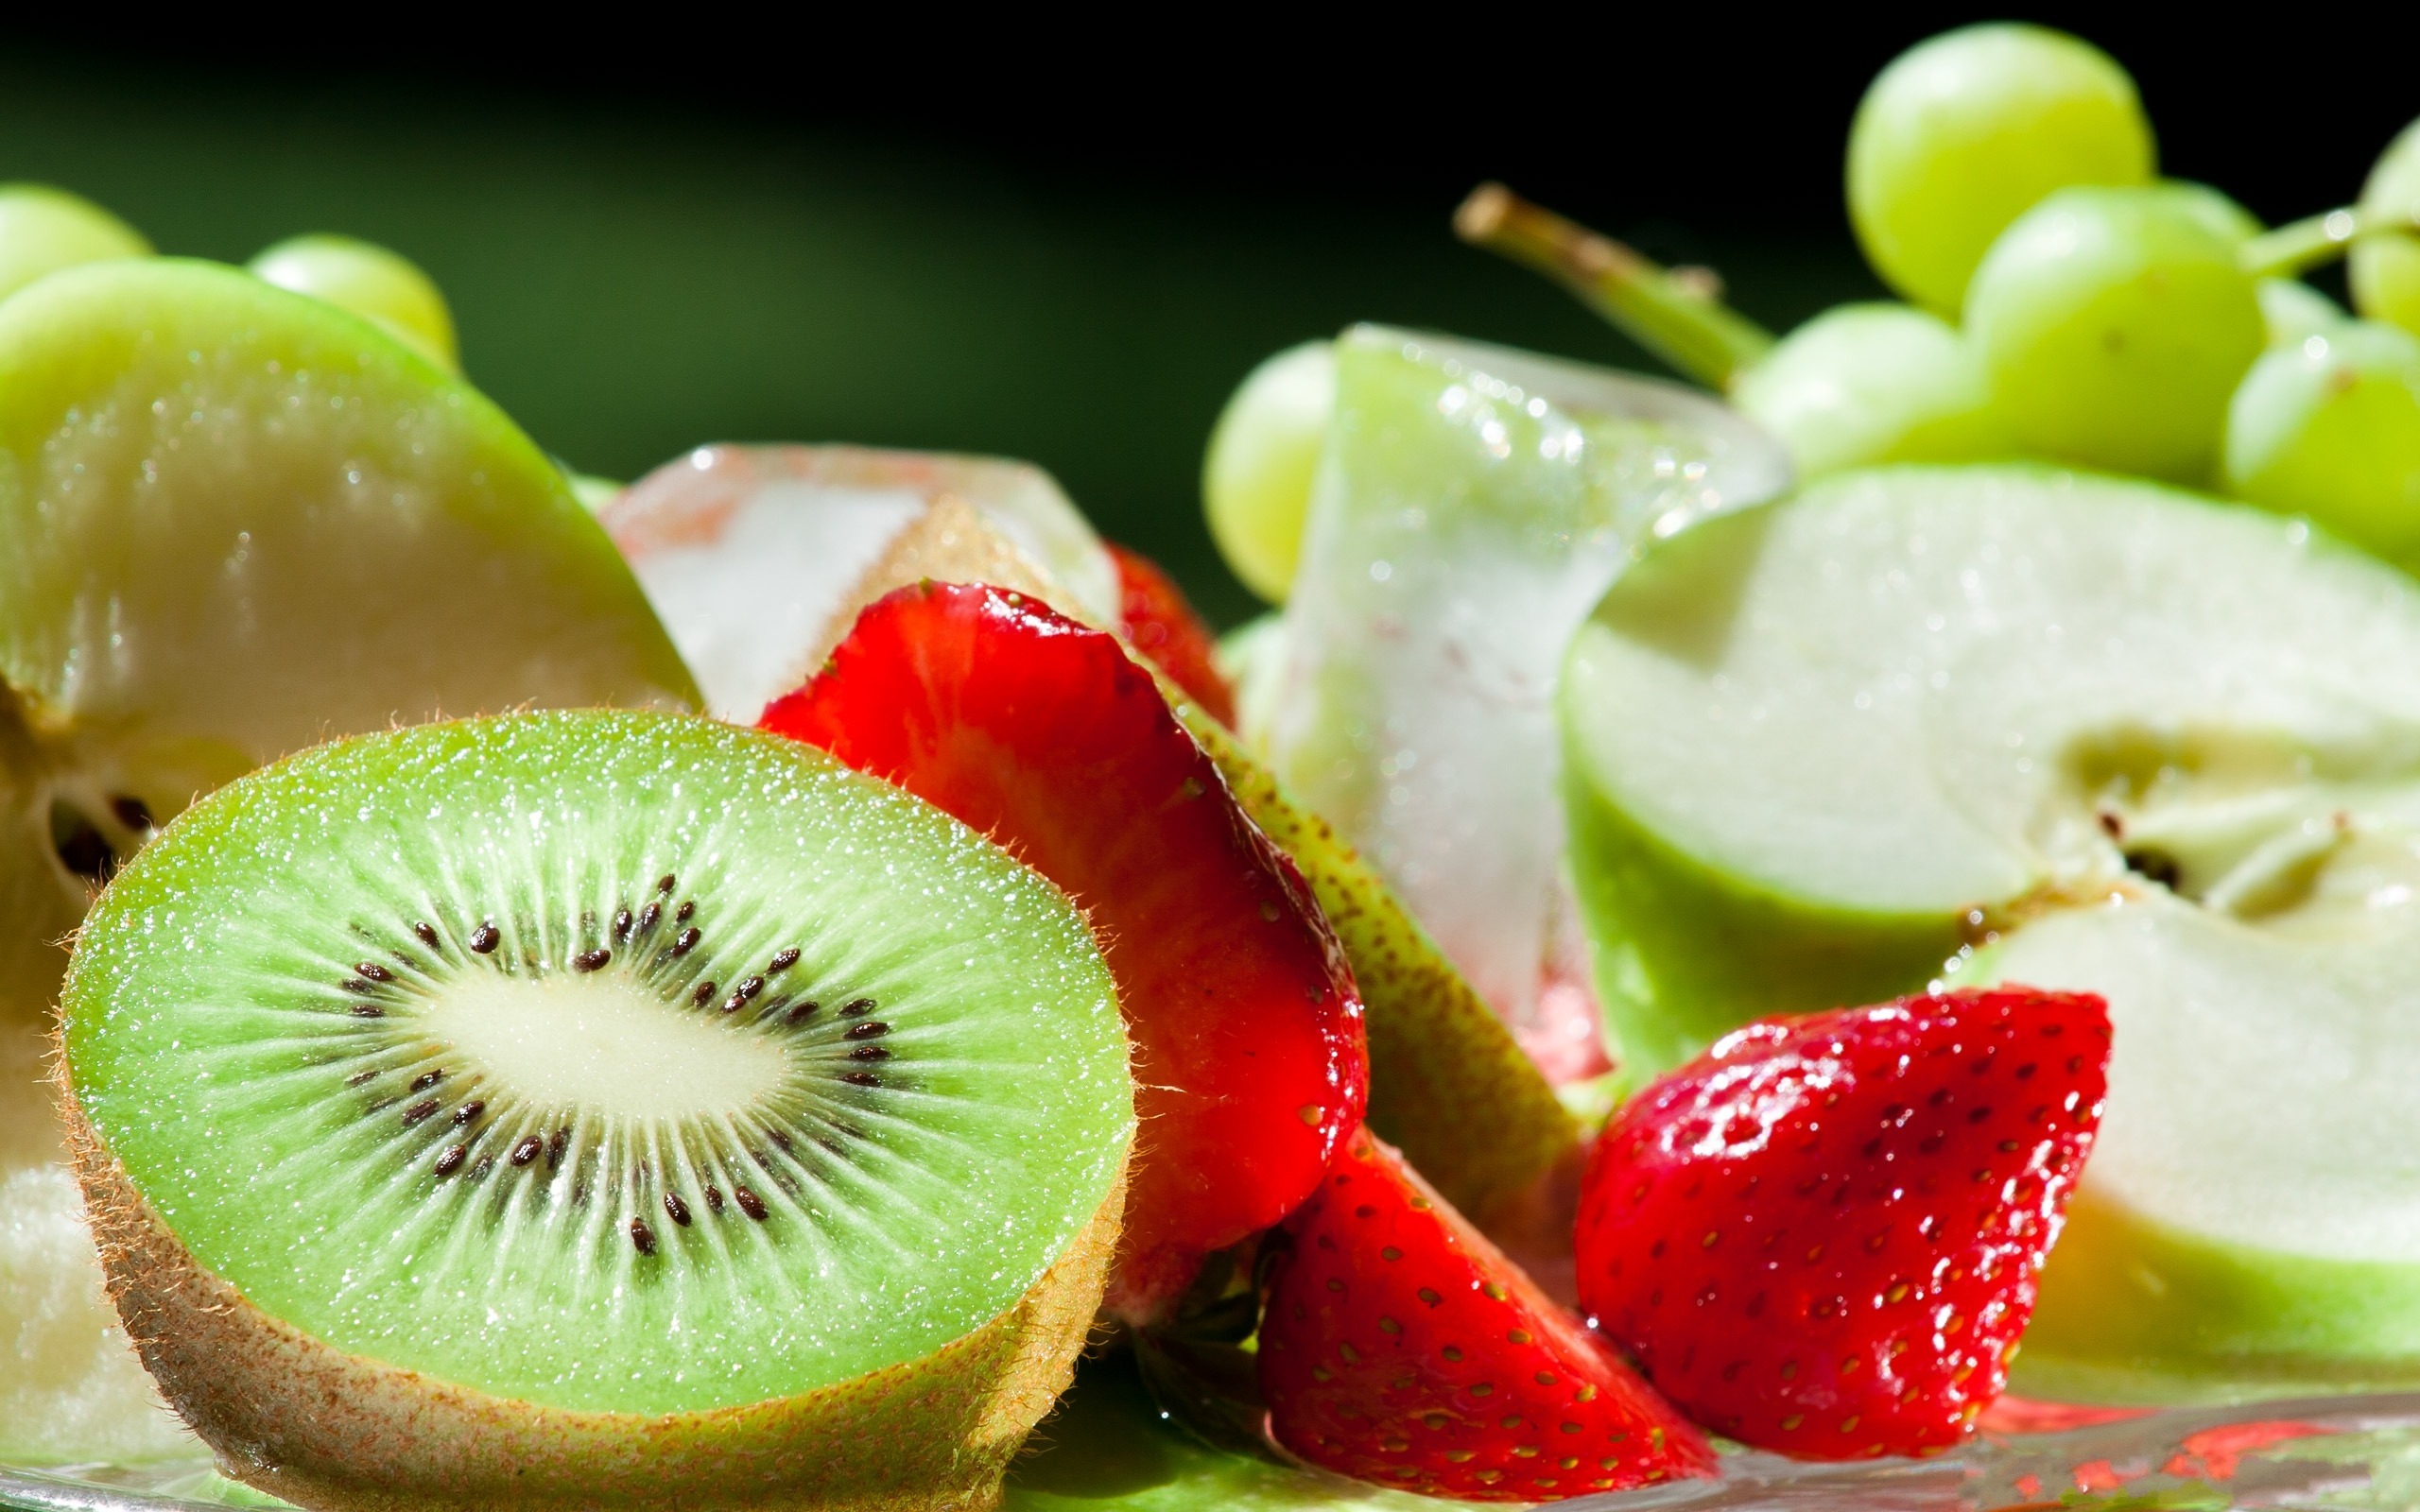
<point x="622" y="922"/>
<point x="681" y="915"/>
<point x="556" y="1146"/>
<point x="677" y="1209"/>
<point x="666" y="882"/>
<point x="485" y="938"/>
<point x="685" y="941"/>
<point x="750" y="1203"/>
<point x="861" y="1078"/>
<point x="642" y="1237"/>
<point x="487" y="1163"/>
<point x="420" y="1112"/>
<point x="452" y="1160"/>
<point x="648" y="917"/>
<point x="427" y="934"/>
<point x="427" y="1079"/>
<point x="361" y="1077"/>
<point x="856" y="1007"/>
<point x="704" y="993"/>
<point x="468" y="1113"/>
<point x="782" y="1138"/>
<point x="871" y="1029"/>
<point x="869" y="1052"/>
<point x="804" y="1011"/>
<point x="373" y="971"/>
<point x="355" y="983"/>
<point x="591" y="960"/>
<point x="368" y="1010"/>
<point x="713" y="1199"/>
<point x="528" y="1150"/>
<point x="783" y="960"/>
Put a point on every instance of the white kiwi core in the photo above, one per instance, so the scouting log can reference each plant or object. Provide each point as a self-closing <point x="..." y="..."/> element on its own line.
<point x="605" y="1047"/>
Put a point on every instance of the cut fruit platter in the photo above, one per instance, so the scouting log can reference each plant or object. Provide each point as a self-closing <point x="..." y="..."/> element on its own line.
<point x="1839" y="937"/>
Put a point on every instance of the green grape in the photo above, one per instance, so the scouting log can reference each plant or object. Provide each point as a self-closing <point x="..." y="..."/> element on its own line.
<point x="1256" y="479"/>
<point x="2114" y="324"/>
<point x="369" y="280"/>
<point x="2330" y="428"/>
<point x="1962" y="135"/>
<point x="593" y="492"/>
<point x="43" y="230"/>
<point x="2292" y="310"/>
<point x="1875" y="383"/>
<point x="2212" y="209"/>
<point x="2386" y="264"/>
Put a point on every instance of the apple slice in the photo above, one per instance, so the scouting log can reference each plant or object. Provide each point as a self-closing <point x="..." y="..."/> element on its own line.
<point x="1472" y="503"/>
<point x="2118" y="739"/>
<point x="240" y="521"/>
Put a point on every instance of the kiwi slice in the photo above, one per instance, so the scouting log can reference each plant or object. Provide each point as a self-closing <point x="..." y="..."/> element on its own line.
<point x="595" y="1108"/>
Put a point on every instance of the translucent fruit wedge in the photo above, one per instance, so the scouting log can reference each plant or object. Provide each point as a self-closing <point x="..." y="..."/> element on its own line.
<point x="1472" y="505"/>
<point x="2118" y="739"/>
<point x="597" y="1108"/>
<point x="748" y="552"/>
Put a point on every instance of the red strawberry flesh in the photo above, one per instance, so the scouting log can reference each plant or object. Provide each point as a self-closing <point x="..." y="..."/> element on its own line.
<point x="1398" y="1346"/>
<point x="1823" y="1236"/>
<point x="1249" y="1058"/>
<point x="1160" y="622"/>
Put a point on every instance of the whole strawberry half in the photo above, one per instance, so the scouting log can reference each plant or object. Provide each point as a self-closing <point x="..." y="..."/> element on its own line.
<point x="1823" y="1236"/>
<point x="1398" y="1346"/>
<point x="1160" y="622"/>
<point x="1249" y="1058"/>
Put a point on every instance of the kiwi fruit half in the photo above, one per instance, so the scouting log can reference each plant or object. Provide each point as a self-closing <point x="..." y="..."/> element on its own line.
<point x="596" y="1109"/>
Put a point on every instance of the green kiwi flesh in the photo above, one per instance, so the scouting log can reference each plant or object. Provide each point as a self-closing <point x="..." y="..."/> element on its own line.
<point x="620" y="1095"/>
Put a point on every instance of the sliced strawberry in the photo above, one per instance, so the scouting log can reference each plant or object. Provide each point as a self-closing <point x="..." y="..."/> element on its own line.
<point x="1400" y="1347"/>
<point x="1821" y="1236"/>
<point x="1160" y="622"/>
<point x="1249" y="1058"/>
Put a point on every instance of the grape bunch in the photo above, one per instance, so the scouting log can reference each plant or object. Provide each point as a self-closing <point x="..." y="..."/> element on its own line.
<point x="2061" y="301"/>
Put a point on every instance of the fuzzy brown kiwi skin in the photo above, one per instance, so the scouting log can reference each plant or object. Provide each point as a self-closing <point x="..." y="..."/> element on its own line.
<point x="290" y="1415"/>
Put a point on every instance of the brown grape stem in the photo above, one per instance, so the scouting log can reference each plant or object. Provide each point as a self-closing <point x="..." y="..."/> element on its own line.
<point x="1675" y="313"/>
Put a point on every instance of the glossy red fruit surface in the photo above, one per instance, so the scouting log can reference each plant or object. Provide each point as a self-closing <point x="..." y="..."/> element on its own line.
<point x="1400" y="1347"/>
<point x="1821" y="1237"/>
<point x="1160" y="622"/>
<point x="1248" y="1060"/>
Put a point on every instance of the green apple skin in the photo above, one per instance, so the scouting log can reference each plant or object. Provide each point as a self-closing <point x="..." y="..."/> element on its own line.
<point x="43" y="230"/>
<point x="1684" y="954"/>
<point x="2135" y="1310"/>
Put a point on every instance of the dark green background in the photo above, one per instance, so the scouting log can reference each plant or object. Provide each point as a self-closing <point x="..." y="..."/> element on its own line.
<point x="629" y="286"/>
<point x="1002" y="242"/>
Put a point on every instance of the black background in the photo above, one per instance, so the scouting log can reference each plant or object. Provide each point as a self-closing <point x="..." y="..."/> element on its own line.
<point x="1060" y="239"/>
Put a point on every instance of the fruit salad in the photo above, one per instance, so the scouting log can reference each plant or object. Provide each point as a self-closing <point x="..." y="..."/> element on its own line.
<point x="1841" y="930"/>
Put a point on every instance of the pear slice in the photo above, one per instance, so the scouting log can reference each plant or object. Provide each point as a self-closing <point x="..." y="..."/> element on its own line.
<point x="830" y="530"/>
<point x="1472" y="503"/>
<point x="1978" y="724"/>
<point x="239" y="521"/>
